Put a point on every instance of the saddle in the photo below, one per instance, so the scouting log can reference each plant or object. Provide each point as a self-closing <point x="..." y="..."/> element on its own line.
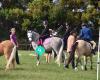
<point x="87" y="41"/>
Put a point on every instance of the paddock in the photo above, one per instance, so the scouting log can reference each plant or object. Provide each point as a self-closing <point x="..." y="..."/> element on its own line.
<point x="28" y="70"/>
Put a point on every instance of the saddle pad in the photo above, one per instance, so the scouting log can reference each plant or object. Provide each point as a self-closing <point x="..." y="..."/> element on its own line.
<point x="47" y="41"/>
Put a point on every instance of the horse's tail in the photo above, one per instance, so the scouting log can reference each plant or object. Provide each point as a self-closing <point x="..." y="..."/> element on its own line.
<point x="59" y="57"/>
<point x="12" y="56"/>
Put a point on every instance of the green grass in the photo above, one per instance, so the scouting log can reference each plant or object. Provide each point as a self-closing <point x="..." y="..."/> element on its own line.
<point x="28" y="70"/>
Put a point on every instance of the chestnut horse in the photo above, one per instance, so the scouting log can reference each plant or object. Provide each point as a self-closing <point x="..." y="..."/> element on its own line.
<point x="6" y="49"/>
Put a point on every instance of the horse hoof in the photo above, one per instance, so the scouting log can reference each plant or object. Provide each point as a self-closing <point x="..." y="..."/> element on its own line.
<point x="38" y="63"/>
<point x="82" y="67"/>
<point x="76" y="69"/>
<point x="66" y="66"/>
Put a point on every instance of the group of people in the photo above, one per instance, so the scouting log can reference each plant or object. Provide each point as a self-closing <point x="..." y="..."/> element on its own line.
<point x="85" y="34"/>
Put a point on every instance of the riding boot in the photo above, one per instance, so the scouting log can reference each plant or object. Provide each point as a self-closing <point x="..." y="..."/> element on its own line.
<point x="17" y="58"/>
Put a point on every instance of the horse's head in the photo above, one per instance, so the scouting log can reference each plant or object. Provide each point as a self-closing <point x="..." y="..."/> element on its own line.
<point x="29" y="35"/>
<point x="32" y="36"/>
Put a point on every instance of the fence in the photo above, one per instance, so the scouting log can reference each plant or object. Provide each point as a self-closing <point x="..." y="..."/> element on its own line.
<point x="25" y="46"/>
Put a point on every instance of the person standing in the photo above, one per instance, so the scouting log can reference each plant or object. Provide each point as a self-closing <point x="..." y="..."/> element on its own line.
<point x="13" y="39"/>
<point x="70" y="42"/>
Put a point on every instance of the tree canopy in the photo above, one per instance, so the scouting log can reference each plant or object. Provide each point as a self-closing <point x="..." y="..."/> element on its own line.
<point x="25" y="14"/>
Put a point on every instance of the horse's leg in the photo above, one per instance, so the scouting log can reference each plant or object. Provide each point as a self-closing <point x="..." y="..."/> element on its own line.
<point x="85" y="62"/>
<point x="53" y="54"/>
<point x="38" y="58"/>
<point x="82" y="67"/>
<point x="56" y="52"/>
<point x="91" y="62"/>
<point x="6" y="57"/>
<point x="77" y="61"/>
<point x="49" y="57"/>
<point x="13" y="63"/>
<point x="65" y="58"/>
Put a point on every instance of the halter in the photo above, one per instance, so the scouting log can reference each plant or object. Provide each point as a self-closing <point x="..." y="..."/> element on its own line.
<point x="33" y="36"/>
<point x="29" y="35"/>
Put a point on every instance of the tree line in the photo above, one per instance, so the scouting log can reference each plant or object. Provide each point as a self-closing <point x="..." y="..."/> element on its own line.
<point x="26" y="14"/>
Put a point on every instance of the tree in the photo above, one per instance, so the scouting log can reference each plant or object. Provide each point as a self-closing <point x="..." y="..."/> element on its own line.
<point x="30" y="13"/>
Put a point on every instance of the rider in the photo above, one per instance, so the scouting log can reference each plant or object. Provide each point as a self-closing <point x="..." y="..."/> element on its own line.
<point x="45" y="33"/>
<point x="86" y="34"/>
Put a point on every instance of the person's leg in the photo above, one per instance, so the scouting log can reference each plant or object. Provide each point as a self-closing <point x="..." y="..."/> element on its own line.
<point x="72" y="56"/>
<point x="17" y="57"/>
<point x="70" y="59"/>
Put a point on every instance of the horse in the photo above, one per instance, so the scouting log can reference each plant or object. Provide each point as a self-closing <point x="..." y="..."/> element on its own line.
<point x="81" y="48"/>
<point x="50" y="44"/>
<point x="8" y="50"/>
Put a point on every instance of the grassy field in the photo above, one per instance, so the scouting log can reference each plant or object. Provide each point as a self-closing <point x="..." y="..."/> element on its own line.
<point x="28" y="70"/>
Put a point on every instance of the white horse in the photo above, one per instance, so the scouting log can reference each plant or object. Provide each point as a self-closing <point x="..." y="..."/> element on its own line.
<point x="50" y="44"/>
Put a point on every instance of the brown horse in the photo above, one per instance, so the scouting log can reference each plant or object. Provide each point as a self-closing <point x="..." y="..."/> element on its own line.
<point x="6" y="48"/>
<point x="82" y="48"/>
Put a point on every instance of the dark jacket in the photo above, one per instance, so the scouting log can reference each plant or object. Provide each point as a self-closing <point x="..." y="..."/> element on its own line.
<point x="45" y="32"/>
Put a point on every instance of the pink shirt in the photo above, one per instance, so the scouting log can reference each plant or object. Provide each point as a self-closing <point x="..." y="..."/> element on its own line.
<point x="70" y="42"/>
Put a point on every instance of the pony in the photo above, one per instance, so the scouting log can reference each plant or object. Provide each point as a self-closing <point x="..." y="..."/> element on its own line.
<point x="81" y="48"/>
<point x="50" y="44"/>
<point x="8" y="50"/>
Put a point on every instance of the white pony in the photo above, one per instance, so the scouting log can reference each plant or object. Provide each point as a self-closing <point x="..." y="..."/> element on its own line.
<point x="50" y="44"/>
